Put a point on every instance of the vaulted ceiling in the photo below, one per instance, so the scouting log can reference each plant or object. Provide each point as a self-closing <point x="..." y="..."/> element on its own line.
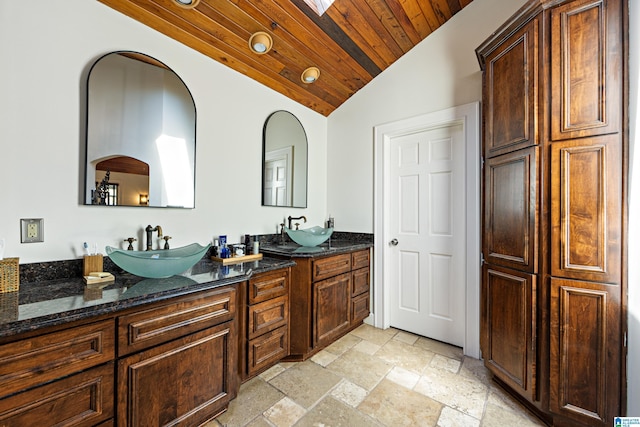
<point x="351" y="43"/>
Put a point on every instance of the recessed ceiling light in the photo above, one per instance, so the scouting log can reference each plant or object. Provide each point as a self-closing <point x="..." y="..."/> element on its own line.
<point x="260" y="43"/>
<point x="310" y="75"/>
<point x="187" y="4"/>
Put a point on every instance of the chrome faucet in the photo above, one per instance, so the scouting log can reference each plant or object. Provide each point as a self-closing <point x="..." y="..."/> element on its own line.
<point x="150" y="231"/>
<point x="292" y="218"/>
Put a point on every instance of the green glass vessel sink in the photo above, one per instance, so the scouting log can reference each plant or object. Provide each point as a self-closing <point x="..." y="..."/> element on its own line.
<point x="309" y="237"/>
<point x="159" y="263"/>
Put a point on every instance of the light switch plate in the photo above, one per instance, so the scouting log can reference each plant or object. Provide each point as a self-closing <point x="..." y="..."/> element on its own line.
<point x="32" y="230"/>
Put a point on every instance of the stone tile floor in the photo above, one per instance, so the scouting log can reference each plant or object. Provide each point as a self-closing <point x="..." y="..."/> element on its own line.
<point x="375" y="377"/>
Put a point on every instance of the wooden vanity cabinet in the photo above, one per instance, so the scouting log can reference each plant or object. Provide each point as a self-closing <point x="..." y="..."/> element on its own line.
<point x="64" y="377"/>
<point x="175" y="363"/>
<point x="265" y="322"/>
<point x="552" y="303"/>
<point x="329" y="297"/>
<point x="181" y="360"/>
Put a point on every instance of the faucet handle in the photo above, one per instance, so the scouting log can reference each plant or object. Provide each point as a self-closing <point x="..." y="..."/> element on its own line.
<point x="166" y="241"/>
<point x="130" y="240"/>
<point x="297" y="224"/>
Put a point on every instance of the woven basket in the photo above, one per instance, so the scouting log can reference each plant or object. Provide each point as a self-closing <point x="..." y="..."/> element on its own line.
<point x="8" y="306"/>
<point x="9" y="275"/>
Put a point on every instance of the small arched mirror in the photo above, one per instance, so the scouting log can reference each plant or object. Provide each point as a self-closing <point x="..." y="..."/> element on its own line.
<point x="141" y="140"/>
<point x="284" y="161"/>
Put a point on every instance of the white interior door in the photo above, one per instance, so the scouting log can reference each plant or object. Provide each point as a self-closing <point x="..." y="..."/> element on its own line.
<point x="277" y="177"/>
<point x="427" y="233"/>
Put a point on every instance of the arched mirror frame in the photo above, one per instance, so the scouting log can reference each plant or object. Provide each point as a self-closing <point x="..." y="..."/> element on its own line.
<point x="287" y="145"/>
<point x="159" y="189"/>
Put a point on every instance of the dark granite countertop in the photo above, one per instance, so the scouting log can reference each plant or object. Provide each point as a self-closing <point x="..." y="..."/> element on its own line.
<point x="53" y="302"/>
<point x="333" y="247"/>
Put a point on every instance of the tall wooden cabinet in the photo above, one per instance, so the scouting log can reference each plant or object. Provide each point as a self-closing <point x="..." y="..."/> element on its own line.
<point x="554" y="169"/>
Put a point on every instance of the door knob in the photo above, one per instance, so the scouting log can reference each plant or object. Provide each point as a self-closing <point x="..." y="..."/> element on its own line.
<point x="394" y="242"/>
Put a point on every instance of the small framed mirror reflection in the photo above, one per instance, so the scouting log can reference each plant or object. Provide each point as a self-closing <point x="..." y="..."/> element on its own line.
<point x="141" y="134"/>
<point x="284" y="161"/>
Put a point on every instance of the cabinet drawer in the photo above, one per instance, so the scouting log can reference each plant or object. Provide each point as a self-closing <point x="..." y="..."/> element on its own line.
<point x="174" y="319"/>
<point x="85" y="399"/>
<point x="33" y="361"/>
<point x="359" y="308"/>
<point x="331" y="266"/>
<point x="359" y="281"/>
<point x="266" y="286"/>
<point x="360" y="259"/>
<point x="268" y="316"/>
<point x="268" y="349"/>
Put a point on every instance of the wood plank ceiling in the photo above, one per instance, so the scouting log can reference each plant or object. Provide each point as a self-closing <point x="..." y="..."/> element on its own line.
<point x="351" y="43"/>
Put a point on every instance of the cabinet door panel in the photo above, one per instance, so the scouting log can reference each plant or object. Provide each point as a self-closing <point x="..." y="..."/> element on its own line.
<point x="586" y="69"/>
<point x="586" y="209"/>
<point x="196" y="374"/>
<point x="331" y="308"/>
<point x="508" y="325"/>
<point x="510" y="92"/>
<point x="80" y="400"/>
<point x="585" y="351"/>
<point x="510" y="235"/>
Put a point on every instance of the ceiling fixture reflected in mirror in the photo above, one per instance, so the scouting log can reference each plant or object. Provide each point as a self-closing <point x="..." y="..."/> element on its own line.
<point x="310" y="75"/>
<point x="284" y="161"/>
<point x="260" y="43"/>
<point x="141" y="122"/>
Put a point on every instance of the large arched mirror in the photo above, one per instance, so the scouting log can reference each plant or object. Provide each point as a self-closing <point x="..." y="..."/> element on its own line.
<point x="141" y="141"/>
<point x="284" y="157"/>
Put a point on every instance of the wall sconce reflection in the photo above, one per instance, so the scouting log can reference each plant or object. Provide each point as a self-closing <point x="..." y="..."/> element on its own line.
<point x="144" y="199"/>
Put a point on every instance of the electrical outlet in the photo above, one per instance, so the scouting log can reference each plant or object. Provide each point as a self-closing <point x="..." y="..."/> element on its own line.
<point x="32" y="230"/>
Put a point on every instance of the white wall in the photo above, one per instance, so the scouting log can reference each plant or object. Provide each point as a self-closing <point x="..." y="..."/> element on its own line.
<point x="440" y="72"/>
<point x="46" y="51"/>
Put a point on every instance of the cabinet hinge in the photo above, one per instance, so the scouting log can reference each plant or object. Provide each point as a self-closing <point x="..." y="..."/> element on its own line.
<point x="624" y="340"/>
<point x="481" y="162"/>
<point x="481" y="259"/>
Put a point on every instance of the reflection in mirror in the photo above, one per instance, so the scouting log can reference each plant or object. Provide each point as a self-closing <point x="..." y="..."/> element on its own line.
<point x="284" y="157"/>
<point x="140" y="134"/>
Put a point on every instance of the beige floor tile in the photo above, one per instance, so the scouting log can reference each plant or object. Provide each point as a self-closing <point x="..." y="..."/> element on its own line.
<point x="374" y="335"/>
<point x="333" y="413"/>
<point x="440" y="348"/>
<point x="501" y="399"/>
<point x="474" y="368"/>
<point x="343" y="344"/>
<point x="305" y="383"/>
<point x="367" y="347"/>
<point x="260" y="422"/>
<point x="255" y="397"/>
<point x="464" y="394"/>
<point x="394" y="405"/>
<point x="406" y="337"/>
<point x="452" y="418"/>
<point x="445" y="363"/>
<point x="349" y="393"/>
<point x="360" y="368"/>
<point x="405" y="355"/>
<point x="403" y="377"/>
<point x="323" y="358"/>
<point x="272" y="372"/>
<point x="496" y="416"/>
<point x="285" y="413"/>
